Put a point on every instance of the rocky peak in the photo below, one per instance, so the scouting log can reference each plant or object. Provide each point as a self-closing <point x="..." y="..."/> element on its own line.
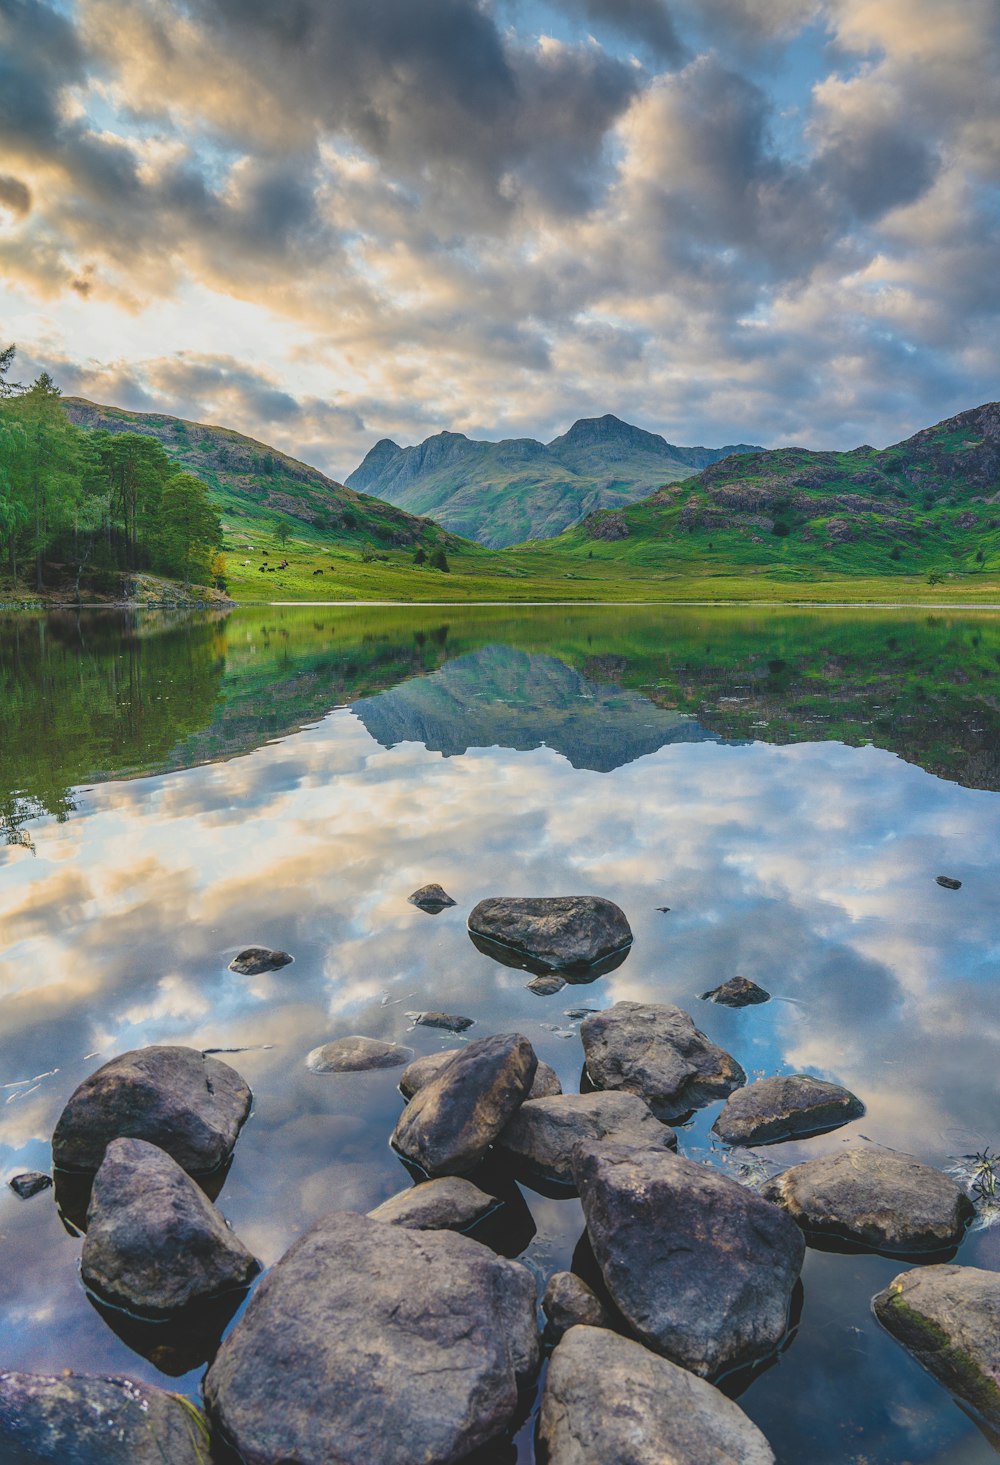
<point x="376" y="460"/>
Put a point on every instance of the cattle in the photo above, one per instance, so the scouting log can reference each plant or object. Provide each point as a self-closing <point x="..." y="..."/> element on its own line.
<point x="317" y="572"/>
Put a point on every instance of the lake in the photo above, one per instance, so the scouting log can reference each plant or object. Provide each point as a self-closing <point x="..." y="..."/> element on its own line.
<point x="788" y="783"/>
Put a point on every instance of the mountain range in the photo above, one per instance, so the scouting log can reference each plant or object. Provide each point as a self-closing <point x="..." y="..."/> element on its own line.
<point x="503" y="493"/>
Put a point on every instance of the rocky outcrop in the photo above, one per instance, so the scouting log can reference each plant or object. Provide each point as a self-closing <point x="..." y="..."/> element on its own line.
<point x="543" y="1133"/>
<point x="609" y="1401"/>
<point x="188" y="1104"/>
<point x="875" y="1198"/>
<point x="607" y="525"/>
<point x="655" y="1051"/>
<point x="422" y="1070"/>
<point x="701" y="1268"/>
<point x="448" y="1204"/>
<point x="737" y="992"/>
<point x="155" y="1243"/>
<point x="356" y="1055"/>
<point x="432" y="899"/>
<point x="570" y="1303"/>
<point x="257" y="959"/>
<point x="450" y="1123"/>
<point x="399" y="1345"/>
<point x="563" y="933"/>
<point x="785" y="1107"/>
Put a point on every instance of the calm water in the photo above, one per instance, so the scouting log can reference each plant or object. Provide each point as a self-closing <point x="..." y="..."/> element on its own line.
<point x="788" y="784"/>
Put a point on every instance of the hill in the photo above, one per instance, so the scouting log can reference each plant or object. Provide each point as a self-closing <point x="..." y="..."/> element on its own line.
<point x="518" y="489"/>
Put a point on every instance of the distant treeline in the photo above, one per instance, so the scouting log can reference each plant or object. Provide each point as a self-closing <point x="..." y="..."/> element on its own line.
<point x="77" y="503"/>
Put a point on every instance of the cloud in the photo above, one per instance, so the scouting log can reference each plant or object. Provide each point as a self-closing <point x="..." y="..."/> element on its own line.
<point x="647" y="21"/>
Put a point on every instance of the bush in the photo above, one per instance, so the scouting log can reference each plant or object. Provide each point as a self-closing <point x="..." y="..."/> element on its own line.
<point x="781" y="529"/>
<point x="895" y="553"/>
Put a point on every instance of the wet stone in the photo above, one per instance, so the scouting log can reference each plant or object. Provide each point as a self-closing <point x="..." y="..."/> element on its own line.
<point x="737" y="992"/>
<point x="449" y="1021"/>
<point x="568" y="1303"/>
<point x="562" y="933"/>
<point x="357" y="1055"/>
<point x="546" y="985"/>
<point x="255" y="960"/>
<point x="448" y="1204"/>
<point x="29" y="1184"/>
<point x="544" y="1132"/>
<point x="432" y="899"/>
<point x="785" y="1107"/>
<point x="948" y="883"/>
<point x="422" y="1070"/>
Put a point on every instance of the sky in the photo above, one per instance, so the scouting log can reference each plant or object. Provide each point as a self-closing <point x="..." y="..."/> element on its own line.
<point x="324" y="222"/>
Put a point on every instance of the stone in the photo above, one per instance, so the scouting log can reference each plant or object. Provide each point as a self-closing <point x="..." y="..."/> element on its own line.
<point x="357" y="1055"/>
<point x="29" y="1184"/>
<point x="568" y="1303"/>
<point x="701" y="1268"/>
<point x="948" y="1318"/>
<point x="432" y="899"/>
<point x="546" y="985"/>
<point x="785" y="1107"/>
<point x="876" y="1198"/>
<point x="155" y="1243"/>
<point x="450" y="1123"/>
<point x="447" y="1020"/>
<point x="655" y="1051"/>
<point x="397" y="1345"/>
<point x="737" y="992"/>
<point x="422" y="1070"/>
<point x="948" y="883"/>
<point x="543" y="1133"/>
<point x="190" y="1105"/>
<point x="609" y="1401"/>
<point x="564" y="933"/>
<point x="257" y="959"/>
<point x="80" y="1420"/>
<point x="448" y="1204"/>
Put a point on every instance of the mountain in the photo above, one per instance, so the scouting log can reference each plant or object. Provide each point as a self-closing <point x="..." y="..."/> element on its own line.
<point x="507" y="492"/>
<point x="253" y="482"/>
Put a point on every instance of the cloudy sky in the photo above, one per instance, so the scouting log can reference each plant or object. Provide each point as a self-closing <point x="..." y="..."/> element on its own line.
<point x="327" y="221"/>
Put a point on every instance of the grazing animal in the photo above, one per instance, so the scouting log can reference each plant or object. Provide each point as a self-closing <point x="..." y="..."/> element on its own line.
<point x="283" y="565"/>
<point x="317" y="572"/>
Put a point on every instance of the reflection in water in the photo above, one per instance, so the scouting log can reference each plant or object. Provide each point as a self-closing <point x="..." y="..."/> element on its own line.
<point x="807" y="865"/>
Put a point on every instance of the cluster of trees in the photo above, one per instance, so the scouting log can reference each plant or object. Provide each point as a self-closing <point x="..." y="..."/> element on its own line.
<point x="437" y="560"/>
<point x="75" y="502"/>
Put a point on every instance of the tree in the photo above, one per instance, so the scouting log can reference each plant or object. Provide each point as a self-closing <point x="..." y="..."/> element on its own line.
<point x="439" y="561"/>
<point x="420" y="558"/>
<point x="191" y="531"/>
<point x="282" y="533"/>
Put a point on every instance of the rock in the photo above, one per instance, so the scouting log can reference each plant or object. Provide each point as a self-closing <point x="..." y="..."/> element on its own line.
<point x="29" y="1184"/>
<point x="570" y="1303"/>
<point x="356" y="1055"/>
<point x="654" y="1050"/>
<point x="785" y="1107"/>
<point x="431" y="898"/>
<point x="397" y="1345"/>
<point x="257" y="959"/>
<point x="450" y="1123"/>
<point x="422" y="1070"/>
<point x="447" y="1020"/>
<point x="79" y="1420"/>
<point x="190" y="1105"/>
<point x="546" y="985"/>
<point x="448" y="1204"/>
<point x="702" y="1268"/>
<point x="948" y="883"/>
<point x="155" y="1243"/>
<point x="609" y="1401"/>
<point x="565" y="933"/>
<point x="948" y="1317"/>
<point x="876" y="1198"/>
<point x="543" y="1132"/>
<point x="737" y="992"/>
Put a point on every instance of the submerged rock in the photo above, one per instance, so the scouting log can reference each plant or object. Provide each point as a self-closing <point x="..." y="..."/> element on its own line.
<point x="785" y="1107"/>
<point x="546" y="985"/>
<point x="155" y="1243"/>
<point x="29" y="1184"/>
<point x="188" y="1104"/>
<point x="609" y="1401"/>
<point x="948" y="882"/>
<point x="564" y="933"/>
<point x="737" y="992"/>
<point x="422" y="1070"/>
<point x="432" y="899"/>
<point x="876" y="1198"/>
<point x="948" y="1317"/>
<point x="543" y="1133"/>
<point x="654" y="1050"/>
<point x="701" y="1268"/>
<point x="397" y="1345"/>
<point x="257" y="959"/>
<point x="448" y="1204"/>
<point x="450" y="1123"/>
<point x="78" y="1420"/>
<point x="450" y="1021"/>
<point x="570" y="1303"/>
<point x="356" y="1055"/>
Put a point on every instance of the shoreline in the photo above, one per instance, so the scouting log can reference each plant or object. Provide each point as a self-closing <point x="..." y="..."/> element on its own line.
<point x="34" y="604"/>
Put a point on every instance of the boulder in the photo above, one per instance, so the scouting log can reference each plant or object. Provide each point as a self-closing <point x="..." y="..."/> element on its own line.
<point x="356" y="1055"/>
<point x="190" y="1105"/>
<point x="543" y="1133"/>
<point x="948" y="1317"/>
<point x="609" y="1401"/>
<point x="450" y="1123"/>
<point x="654" y="1050"/>
<point x="701" y="1268"/>
<point x="77" y="1420"/>
<point x="876" y="1198"/>
<point x="397" y="1345"/>
<point x="450" y="1021"/>
<point x="448" y="1204"/>
<point x="947" y="882"/>
<point x="257" y="959"/>
<point x="29" y="1184"/>
<point x="432" y="899"/>
<point x="737" y="992"/>
<point x="565" y="933"/>
<point x="785" y="1107"/>
<point x="546" y="985"/>
<point x="570" y="1303"/>
<point x="155" y="1243"/>
<point x="422" y="1070"/>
